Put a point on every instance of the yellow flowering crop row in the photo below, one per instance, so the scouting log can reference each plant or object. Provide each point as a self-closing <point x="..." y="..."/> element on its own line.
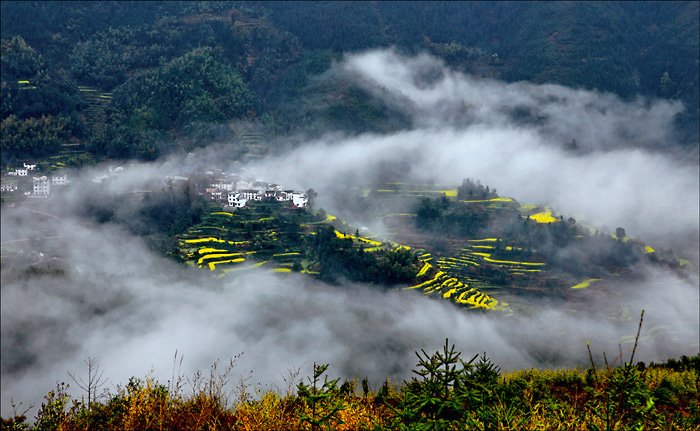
<point x="460" y="299"/>
<point x="212" y="265"/>
<point x="281" y="270"/>
<point x="222" y="213"/>
<point x="449" y="293"/>
<point x="480" y="300"/>
<point x="426" y="283"/>
<point x="446" y="283"/>
<point x="649" y="249"/>
<point x="342" y="235"/>
<point x="368" y="241"/>
<point x="484" y="240"/>
<point x="426" y="268"/>
<point x="514" y="263"/>
<point x="457" y="260"/>
<point x="585" y="283"/>
<point x="210" y="239"/>
<point x="216" y="255"/>
<point x="450" y="193"/>
<point x="285" y="254"/>
<point x="490" y="200"/>
<point x="543" y="217"/>
<point x="205" y="250"/>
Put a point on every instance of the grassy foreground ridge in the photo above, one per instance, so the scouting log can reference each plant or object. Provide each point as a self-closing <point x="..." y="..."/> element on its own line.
<point x="447" y="393"/>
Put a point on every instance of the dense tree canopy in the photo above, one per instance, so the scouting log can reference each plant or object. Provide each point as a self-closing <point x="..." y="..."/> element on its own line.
<point x="170" y="64"/>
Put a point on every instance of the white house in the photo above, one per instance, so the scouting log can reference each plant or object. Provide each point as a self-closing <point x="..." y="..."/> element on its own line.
<point x="236" y="200"/>
<point x="214" y="193"/>
<point x="22" y="172"/>
<point x="42" y="186"/>
<point x="251" y="195"/>
<point x="300" y="199"/>
<point x="223" y="186"/>
<point x="281" y="196"/>
<point x="98" y="179"/>
<point x="11" y="187"/>
<point x="59" y="180"/>
<point x="115" y="171"/>
<point x="29" y="167"/>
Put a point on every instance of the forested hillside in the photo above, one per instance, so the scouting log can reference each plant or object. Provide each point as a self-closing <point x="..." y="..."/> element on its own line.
<point x="166" y="73"/>
<point x="282" y="179"/>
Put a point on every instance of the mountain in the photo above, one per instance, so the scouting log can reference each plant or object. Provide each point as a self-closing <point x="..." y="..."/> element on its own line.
<point x="259" y="61"/>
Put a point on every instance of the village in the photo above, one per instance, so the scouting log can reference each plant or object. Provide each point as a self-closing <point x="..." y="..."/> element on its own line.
<point x="230" y="190"/>
<point x="38" y="187"/>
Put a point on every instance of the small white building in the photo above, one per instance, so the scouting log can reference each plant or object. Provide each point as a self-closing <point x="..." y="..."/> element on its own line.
<point x="29" y="167"/>
<point x="251" y="195"/>
<point x="59" y="180"/>
<point x="214" y="194"/>
<point x="100" y="178"/>
<point x="10" y="187"/>
<point x="42" y="186"/>
<point x="22" y="172"/>
<point x="236" y="200"/>
<point x="115" y="170"/>
<point x="223" y="186"/>
<point x="300" y="199"/>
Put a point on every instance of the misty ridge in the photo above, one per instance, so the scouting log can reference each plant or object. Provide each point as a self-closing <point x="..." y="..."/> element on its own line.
<point x="590" y="155"/>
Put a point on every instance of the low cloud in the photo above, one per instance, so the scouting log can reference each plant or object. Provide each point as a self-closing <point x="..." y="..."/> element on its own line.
<point x="469" y="127"/>
<point x="130" y="309"/>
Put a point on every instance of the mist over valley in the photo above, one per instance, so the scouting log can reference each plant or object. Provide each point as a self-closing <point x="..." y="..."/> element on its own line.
<point x="520" y="218"/>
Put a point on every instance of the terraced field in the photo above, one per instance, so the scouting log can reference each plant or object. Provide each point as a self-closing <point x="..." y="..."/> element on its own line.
<point x="254" y="143"/>
<point x="95" y="113"/>
<point x="443" y="281"/>
<point x="228" y="242"/>
<point x="485" y="273"/>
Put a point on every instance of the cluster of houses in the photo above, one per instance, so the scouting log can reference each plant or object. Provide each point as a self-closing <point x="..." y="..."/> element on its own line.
<point x="240" y="198"/>
<point x="113" y="171"/>
<point x="41" y="185"/>
<point x="237" y="192"/>
<point x="23" y="171"/>
<point x="234" y="190"/>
